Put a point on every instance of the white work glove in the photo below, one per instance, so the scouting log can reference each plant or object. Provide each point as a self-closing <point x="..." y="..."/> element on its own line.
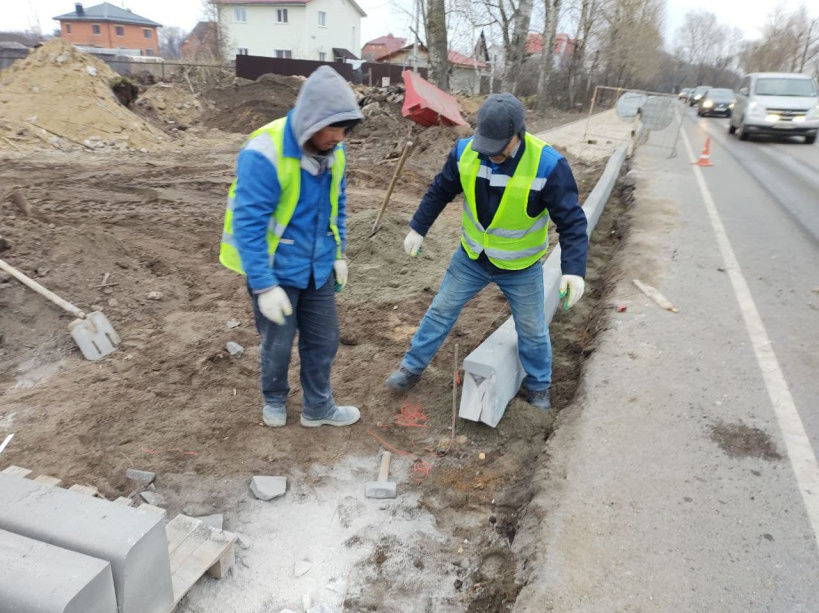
<point x="413" y="242"/>
<point x="574" y="286"/>
<point x="275" y="305"/>
<point x="340" y="268"/>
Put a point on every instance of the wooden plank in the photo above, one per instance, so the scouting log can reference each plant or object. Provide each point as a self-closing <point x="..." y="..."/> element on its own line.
<point x="178" y="529"/>
<point x="126" y="502"/>
<point x="223" y="564"/>
<point x="16" y="471"/>
<point x="188" y="546"/>
<point x="46" y="480"/>
<point x="195" y="548"/>
<point x="149" y="508"/>
<point x="203" y="556"/>
<point x="84" y="489"/>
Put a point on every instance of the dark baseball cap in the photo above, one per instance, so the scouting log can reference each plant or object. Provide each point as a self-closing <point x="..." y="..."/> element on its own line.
<point x="500" y="117"/>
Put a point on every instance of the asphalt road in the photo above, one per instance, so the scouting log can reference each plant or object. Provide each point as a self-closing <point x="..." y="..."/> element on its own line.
<point x="769" y="201"/>
<point x="685" y="477"/>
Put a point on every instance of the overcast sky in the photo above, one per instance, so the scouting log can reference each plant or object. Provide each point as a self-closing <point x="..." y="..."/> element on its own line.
<point x="384" y="16"/>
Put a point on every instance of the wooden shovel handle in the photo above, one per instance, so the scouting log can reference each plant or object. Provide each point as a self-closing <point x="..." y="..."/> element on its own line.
<point x="395" y="175"/>
<point x="384" y="471"/>
<point x="32" y="284"/>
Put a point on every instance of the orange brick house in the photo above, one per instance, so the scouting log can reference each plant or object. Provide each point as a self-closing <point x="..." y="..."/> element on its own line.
<point x="109" y="27"/>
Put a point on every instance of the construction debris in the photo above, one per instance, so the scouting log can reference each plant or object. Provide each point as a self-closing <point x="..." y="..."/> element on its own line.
<point x="268" y="488"/>
<point x="214" y="521"/>
<point x="153" y="499"/>
<point x="235" y="349"/>
<point x="142" y="477"/>
<point x="655" y="295"/>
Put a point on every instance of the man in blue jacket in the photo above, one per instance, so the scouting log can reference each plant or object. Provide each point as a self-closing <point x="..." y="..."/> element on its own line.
<point x="512" y="183"/>
<point x="285" y="229"/>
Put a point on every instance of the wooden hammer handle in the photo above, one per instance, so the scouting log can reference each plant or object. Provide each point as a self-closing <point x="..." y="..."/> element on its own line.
<point x="384" y="471"/>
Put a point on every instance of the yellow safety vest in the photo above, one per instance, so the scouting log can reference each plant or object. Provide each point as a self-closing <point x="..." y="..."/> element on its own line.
<point x="513" y="241"/>
<point x="288" y="170"/>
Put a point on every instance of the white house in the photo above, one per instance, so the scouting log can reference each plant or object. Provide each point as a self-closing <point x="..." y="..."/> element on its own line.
<point x="298" y="29"/>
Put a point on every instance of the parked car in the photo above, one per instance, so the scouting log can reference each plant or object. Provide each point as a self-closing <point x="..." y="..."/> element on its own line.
<point x="776" y="103"/>
<point x="716" y="101"/>
<point x="698" y="93"/>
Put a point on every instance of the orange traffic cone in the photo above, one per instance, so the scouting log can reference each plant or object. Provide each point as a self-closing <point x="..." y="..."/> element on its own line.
<point x="705" y="155"/>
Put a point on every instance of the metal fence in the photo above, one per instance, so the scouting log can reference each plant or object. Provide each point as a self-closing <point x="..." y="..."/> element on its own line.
<point x="655" y="117"/>
<point x="369" y="73"/>
<point x="246" y="66"/>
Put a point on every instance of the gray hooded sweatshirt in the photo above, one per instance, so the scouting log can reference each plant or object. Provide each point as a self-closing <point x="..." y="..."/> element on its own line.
<point x="324" y="99"/>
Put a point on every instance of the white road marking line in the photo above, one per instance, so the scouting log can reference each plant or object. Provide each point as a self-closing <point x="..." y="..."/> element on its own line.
<point x="797" y="443"/>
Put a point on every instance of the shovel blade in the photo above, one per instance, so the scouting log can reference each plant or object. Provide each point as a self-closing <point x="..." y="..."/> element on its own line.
<point x="94" y="335"/>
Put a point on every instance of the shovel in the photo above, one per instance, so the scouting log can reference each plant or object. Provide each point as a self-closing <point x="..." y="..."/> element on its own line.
<point x="93" y="333"/>
<point x="404" y="152"/>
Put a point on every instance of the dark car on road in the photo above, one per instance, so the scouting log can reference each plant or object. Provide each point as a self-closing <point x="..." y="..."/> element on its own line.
<point x="716" y="102"/>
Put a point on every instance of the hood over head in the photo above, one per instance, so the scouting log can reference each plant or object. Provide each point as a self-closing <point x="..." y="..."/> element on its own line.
<point x="325" y="98"/>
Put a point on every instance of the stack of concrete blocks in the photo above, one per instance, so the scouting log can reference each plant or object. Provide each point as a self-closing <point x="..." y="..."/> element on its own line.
<point x="84" y="553"/>
<point x="493" y="372"/>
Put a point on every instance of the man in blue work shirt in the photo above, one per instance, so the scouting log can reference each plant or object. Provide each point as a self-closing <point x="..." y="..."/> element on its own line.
<point x="285" y="229"/>
<point x="513" y="183"/>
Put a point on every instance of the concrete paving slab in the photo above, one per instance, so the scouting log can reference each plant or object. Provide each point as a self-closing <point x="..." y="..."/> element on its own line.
<point x="133" y="542"/>
<point x="268" y="488"/>
<point x="39" y="577"/>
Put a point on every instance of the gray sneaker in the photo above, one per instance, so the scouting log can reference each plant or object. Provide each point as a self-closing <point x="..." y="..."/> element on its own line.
<point x="402" y="379"/>
<point x="341" y="416"/>
<point x="540" y="400"/>
<point x="274" y="416"/>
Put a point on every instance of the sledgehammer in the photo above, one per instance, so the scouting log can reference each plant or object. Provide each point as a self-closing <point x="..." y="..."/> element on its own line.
<point x="382" y="488"/>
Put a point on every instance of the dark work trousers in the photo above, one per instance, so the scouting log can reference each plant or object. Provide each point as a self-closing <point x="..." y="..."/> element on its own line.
<point x="315" y="318"/>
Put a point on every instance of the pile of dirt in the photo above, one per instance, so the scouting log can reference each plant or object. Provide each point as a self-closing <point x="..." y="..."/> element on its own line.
<point x="63" y="96"/>
<point x="245" y="106"/>
<point x="172" y="104"/>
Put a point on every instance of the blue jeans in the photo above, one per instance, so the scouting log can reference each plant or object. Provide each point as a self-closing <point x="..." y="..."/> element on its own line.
<point x="524" y="291"/>
<point x="314" y="316"/>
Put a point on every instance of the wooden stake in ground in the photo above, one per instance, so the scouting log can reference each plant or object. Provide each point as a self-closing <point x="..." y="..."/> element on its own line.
<point x="396" y="174"/>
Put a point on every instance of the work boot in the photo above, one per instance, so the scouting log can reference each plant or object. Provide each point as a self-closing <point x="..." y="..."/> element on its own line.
<point x="274" y="416"/>
<point x="540" y="400"/>
<point x="402" y="379"/>
<point x="341" y="416"/>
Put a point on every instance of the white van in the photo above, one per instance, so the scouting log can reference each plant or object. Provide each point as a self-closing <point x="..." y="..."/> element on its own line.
<point x="776" y="103"/>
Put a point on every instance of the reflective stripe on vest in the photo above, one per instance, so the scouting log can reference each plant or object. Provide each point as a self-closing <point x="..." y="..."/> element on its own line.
<point x="513" y="241"/>
<point x="269" y="141"/>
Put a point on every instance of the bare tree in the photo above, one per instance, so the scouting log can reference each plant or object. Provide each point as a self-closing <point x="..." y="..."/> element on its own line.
<point x="700" y="40"/>
<point x="224" y="45"/>
<point x="517" y="46"/>
<point x="588" y="17"/>
<point x="547" y="53"/>
<point x="437" y="43"/>
<point x="170" y="41"/>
